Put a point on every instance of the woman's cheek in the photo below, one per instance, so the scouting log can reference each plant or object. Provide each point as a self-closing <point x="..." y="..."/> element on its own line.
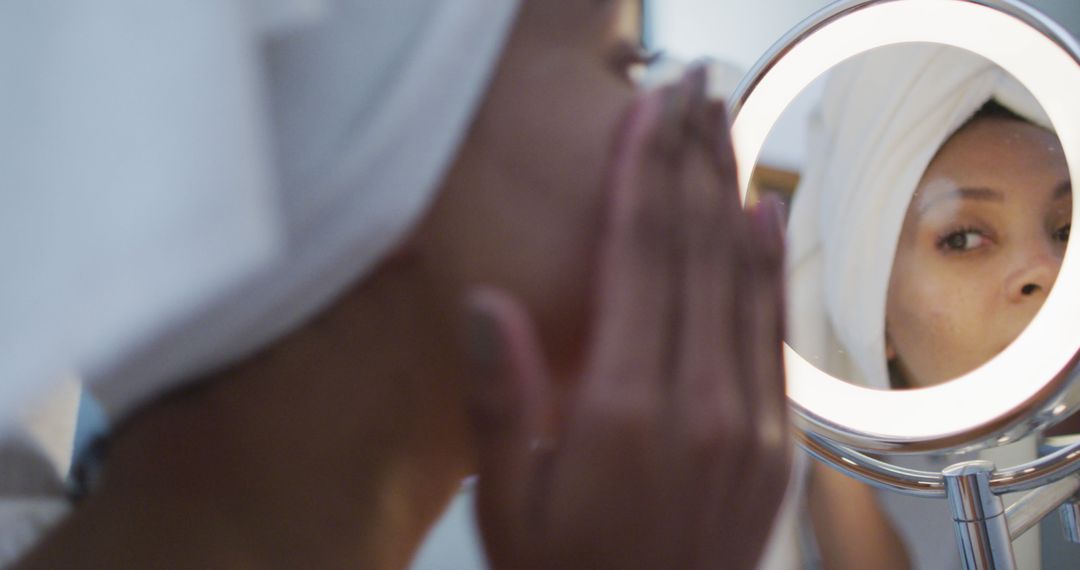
<point x="559" y="267"/>
<point x="927" y="325"/>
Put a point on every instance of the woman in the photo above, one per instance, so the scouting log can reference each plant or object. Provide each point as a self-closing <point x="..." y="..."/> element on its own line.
<point x="996" y="205"/>
<point x="938" y="181"/>
<point x="313" y="406"/>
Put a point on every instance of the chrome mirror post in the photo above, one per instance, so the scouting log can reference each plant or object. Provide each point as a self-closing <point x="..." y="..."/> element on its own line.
<point x="982" y="530"/>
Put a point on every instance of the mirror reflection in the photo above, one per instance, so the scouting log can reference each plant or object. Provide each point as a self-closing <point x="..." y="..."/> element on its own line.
<point x="979" y="247"/>
<point x="928" y="218"/>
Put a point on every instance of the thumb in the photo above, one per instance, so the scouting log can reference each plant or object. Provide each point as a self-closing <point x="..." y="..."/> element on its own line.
<point x="507" y="403"/>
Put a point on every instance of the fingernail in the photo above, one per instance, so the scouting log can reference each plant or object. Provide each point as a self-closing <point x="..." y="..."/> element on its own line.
<point x="678" y="102"/>
<point x="718" y="116"/>
<point x="671" y="121"/>
<point x="482" y="396"/>
<point x="769" y="220"/>
<point x="720" y="144"/>
<point x="484" y="343"/>
<point x="697" y="80"/>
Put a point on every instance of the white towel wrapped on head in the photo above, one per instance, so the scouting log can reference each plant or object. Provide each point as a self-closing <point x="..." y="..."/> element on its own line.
<point x="189" y="180"/>
<point x="184" y="181"/>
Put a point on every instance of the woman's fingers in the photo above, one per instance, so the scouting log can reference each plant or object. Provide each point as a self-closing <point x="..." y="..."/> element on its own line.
<point x="770" y="402"/>
<point x="679" y="425"/>
<point x="730" y="397"/>
<point x="766" y="460"/>
<point x="632" y="332"/>
<point x="761" y="320"/>
<point x="508" y="406"/>
<point x="709" y="405"/>
<point x="709" y="393"/>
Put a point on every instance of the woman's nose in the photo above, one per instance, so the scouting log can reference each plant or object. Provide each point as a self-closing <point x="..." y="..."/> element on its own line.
<point x="1034" y="277"/>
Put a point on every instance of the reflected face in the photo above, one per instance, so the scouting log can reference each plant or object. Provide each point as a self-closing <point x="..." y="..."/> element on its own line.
<point x="980" y="248"/>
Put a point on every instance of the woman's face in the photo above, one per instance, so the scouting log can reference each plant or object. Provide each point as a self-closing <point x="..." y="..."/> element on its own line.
<point x="522" y="207"/>
<point x="980" y="248"/>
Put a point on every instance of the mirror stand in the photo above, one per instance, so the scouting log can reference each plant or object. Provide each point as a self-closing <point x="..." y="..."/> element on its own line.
<point x="984" y="528"/>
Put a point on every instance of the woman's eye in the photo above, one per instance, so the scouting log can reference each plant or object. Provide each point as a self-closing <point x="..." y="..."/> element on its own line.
<point x="962" y="240"/>
<point x="630" y="61"/>
<point x="1062" y="233"/>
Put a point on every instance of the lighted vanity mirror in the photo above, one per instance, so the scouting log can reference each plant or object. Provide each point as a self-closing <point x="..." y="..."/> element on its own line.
<point x="928" y="219"/>
<point x="907" y="75"/>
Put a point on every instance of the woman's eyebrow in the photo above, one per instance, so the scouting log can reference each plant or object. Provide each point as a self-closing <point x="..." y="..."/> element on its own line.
<point x="979" y="194"/>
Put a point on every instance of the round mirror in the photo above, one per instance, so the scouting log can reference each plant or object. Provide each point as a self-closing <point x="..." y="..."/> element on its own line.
<point x="928" y="220"/>
<point x="929" y="270"/>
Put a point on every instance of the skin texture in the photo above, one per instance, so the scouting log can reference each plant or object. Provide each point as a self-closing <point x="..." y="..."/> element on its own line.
<point x="583" y="263"/>
<point x="972" y="268"/>
<point x="676" y="397"/>
<point x="523" y="212"/>
<point x="980" y="248"/>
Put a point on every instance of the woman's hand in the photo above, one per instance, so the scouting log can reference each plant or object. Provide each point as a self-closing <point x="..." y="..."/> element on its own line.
<point x="674" y="451"/>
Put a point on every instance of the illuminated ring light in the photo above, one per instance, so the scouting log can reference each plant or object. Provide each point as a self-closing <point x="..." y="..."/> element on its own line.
<point x="1027" y="385"/>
